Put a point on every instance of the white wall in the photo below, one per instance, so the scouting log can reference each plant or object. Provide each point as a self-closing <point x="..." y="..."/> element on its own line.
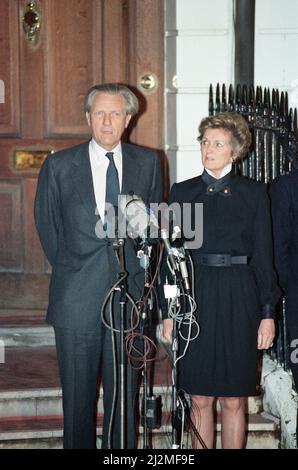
<point x="199" y="42"/>
<point x="276" y="38"/>
<point x="202" y="39"/>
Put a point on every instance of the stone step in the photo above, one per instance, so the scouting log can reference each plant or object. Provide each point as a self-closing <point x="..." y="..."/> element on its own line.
<point x="29" y="383"/>
<point x="6" y="313"/>
<point x="46" y="432"/>
<point x="27" y="336"/>
<point x="263" y="432"/>
<point x="30" y="394"/>
<point x="31" y="403"/>
<point x="42" y="402"/>
<point x="25" y="329"/>
<point x="48" y="402"/>
<point x="31" y="409"/>
<point x="29" y="369"/>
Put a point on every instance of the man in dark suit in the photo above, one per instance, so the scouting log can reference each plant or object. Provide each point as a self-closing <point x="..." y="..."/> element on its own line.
<point x="74" y="186"/>
<point x="284" y="198"/>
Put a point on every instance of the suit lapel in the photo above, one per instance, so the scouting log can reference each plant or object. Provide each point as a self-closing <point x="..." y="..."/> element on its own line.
<point x="82" y="175"/>
<point x="82" y="178"/>
<point x="131" y="169"/>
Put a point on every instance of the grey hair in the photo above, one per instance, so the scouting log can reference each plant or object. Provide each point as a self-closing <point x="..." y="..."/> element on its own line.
<point x="233" y="123"/>
<point x="131" y="101"/>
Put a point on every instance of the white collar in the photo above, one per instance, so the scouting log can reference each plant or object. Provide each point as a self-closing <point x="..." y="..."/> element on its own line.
<point x="102" y="152"/>
<point x="224" y="171"/>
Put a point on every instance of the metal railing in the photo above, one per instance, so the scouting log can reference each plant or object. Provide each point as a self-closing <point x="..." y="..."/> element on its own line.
<point x="274" y="146"/>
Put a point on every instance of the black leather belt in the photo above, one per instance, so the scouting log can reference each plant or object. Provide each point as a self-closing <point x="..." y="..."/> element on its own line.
<point x="217" y="260"/>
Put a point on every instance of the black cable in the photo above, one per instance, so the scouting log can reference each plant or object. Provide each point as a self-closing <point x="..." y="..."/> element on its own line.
<point x="189" y="420"/>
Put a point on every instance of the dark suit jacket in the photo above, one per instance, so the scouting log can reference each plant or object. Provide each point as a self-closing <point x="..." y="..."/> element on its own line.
<point x="239" y="225"/>
<point x="284" y="199"/>
<point x="84" y="267"/>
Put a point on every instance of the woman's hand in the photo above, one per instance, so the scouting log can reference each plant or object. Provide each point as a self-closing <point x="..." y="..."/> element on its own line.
<point x="266" y="333"/>
<point x="167" y="329"/>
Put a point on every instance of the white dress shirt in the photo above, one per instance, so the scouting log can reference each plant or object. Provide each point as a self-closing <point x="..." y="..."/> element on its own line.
<point x="99" y="165"/>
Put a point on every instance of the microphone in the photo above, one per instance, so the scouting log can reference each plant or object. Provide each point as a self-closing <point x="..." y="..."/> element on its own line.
<point x="144" y="257"/>
<point x="137" y="220"/>
<point x="177" y="259"/>
<point x="165" y="237"/>
<point x="138" y="216"/>
<point x="183" y="269"/>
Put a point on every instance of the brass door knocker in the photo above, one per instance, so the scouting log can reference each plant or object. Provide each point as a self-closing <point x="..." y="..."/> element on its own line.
<point x="32" y="22"/>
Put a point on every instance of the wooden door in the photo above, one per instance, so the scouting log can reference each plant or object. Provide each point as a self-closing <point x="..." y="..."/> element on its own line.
<point x="43" y="80"/>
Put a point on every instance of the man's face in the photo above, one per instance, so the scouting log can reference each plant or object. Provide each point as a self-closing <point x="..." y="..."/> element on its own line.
<point x="107" y="119"/>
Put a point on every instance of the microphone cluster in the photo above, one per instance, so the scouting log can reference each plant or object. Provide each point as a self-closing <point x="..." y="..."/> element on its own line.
<point x="141" y="220"/>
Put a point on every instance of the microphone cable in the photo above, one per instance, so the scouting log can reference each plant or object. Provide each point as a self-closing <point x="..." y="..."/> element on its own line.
<point x="149" y="347"/>
<point x="109" y="298"/>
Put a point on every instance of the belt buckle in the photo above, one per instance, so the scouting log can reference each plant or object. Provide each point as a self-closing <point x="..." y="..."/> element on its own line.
<point x="225" y="260"/>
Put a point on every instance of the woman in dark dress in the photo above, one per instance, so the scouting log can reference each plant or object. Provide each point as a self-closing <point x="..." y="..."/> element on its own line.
<point x="235" y="285"/>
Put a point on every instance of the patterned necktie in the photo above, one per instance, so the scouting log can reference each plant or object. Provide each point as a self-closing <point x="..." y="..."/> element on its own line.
<point x="112" y="182"/>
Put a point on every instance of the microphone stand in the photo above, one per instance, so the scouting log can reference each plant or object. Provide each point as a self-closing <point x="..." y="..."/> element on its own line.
<point x="119" y="246"/>
<point x="145" y="378"/>
<point x="175" y="298"/>
<point x="175" y="420"/>
<point x="148" y="413"/>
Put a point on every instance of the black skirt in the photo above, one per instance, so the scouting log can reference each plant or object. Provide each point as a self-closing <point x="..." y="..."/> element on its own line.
<point x="222" y="360"/>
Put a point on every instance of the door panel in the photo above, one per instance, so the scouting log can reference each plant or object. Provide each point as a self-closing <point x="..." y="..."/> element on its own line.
<point x="146" y="58"/>
<point x="9" y="68"/>
<point x="72" y="61"/>
<point x="10" y="227"/>
<point x="80" y="43"/>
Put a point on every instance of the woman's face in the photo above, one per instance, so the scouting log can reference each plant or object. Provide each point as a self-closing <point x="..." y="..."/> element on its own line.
<point x="216" y="150"/>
